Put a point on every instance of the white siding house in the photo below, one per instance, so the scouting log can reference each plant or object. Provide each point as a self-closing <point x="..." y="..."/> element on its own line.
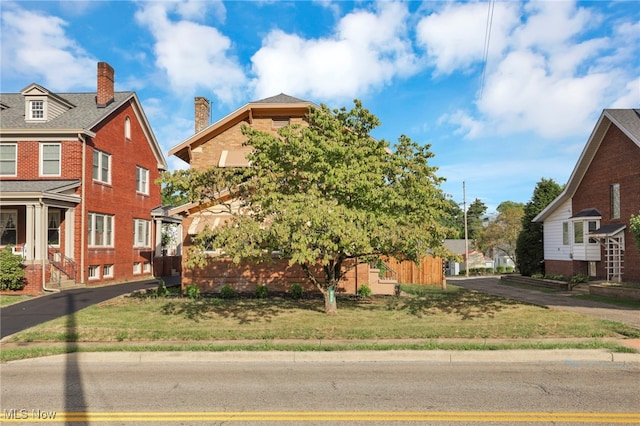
<point x="556" y="246"/>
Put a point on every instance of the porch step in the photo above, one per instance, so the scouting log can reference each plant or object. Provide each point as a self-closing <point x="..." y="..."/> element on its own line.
<point x="64" y="285"/>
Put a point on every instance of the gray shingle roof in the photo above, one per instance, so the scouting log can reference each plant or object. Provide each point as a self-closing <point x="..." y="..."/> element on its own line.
<point x="588" y="213"/>
<point x="37" y="185"/>
<point x="280" y="99"/>
<point x="629" y="120"/>
<point x="84" y="115"/>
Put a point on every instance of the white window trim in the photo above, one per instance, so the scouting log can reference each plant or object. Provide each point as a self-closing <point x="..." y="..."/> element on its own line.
<point x="91" y="229"/>
<point x="49" y="214"/>
<point x="41" y="158"/>
<point x="146" y="267"/>
<point x="15" y="213"/>
<point x="101" y="155"/>
<point x="136" y="235"/>
<point x="15" y="159"/>
<point x="30" y="110"/>
<point x="139" y="172"/>
<point x="95" y="268"/>
<point x="107" y="271"/>
<point x="127" y="128"/>
<point x="137" y="268"/>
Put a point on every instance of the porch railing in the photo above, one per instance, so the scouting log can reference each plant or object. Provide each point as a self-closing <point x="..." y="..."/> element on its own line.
<point x="385" y="271"/>
<point x="62" y="263"/>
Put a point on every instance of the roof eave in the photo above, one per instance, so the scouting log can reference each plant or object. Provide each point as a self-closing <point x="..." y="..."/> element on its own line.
<point x="29" y="133"/>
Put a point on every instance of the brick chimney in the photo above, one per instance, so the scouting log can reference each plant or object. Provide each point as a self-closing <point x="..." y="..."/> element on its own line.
<point x="203" y="112"/>
<point x="104" y="95"/>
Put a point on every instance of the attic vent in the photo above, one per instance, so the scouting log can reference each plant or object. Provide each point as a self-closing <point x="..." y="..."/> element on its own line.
<point x="279" y="122"/>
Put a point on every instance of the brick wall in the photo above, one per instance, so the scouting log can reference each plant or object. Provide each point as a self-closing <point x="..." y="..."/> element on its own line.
<point x="119" y="198"/>
<point x="617" y="161"/>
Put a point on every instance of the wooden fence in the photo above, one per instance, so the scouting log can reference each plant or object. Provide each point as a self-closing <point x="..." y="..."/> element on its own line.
<point x="428" y="272"/>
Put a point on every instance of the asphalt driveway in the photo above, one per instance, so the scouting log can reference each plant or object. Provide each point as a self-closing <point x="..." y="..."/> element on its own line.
<point x="20" y="316"/>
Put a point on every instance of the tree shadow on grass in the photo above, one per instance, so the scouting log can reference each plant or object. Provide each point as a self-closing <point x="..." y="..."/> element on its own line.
<point x="465" y="304"/>
<point x="244" y="311"/>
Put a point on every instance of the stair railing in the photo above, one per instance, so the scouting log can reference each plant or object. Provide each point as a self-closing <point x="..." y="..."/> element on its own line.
<point x="62" y="263"/>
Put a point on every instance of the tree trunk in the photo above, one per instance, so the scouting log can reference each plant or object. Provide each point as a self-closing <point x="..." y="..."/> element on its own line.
<point x="330" y="305"/>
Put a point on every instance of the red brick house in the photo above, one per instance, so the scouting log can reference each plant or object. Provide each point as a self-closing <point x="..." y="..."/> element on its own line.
<point x="77" y="182"/>
<point x="221" y="145"/>
<point x="586" y="228"/>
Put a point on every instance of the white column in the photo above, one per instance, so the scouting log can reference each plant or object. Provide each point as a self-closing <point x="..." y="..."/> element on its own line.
<point x="69" y="233"/>
<point x="39" y="232"/>
<point x="158" y="237"/>
<point x="30" y="237"/>
<point x="179" y="242"/>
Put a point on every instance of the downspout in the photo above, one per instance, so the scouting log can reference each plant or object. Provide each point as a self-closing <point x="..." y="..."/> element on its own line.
<point x="83" y="215"/>
<point x="44" y="253"/>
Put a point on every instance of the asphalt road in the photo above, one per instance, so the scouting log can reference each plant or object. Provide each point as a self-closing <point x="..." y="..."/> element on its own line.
<point x="188" y="391"/>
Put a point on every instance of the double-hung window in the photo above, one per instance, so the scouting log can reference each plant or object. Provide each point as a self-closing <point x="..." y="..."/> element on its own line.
<point x="101" y="166"/>
<point x="8" y="159"/>
<point x="565" y="233"/>
<point x="578" y="232"/>
<point x="141" y="233"/>
<point x="50" y="154"/>
<point x="36" y="110"/>
<point x="142" y="180"/>
<point x="53" y="228"/>
<point x="100" y="230"/>
<point x="8" y="227"/>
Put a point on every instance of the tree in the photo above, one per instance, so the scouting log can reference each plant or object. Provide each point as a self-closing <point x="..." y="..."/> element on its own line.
<point x="474" y="219"/>
<point x="502" y="233"/>
<point x="453" y="219"/>
<point x="529" y="246"/>
<point x="324" y="195"/>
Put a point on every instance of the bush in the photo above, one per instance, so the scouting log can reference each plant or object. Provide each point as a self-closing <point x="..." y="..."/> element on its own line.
<point x="579" y="278"/>
<point x="296" y="291"/>
<point x="193" y="292"/>
<point x="227" y="292"/>
<point x="162" y="290"/>
<point x="537" y="276"/>
<point x="261" y="291"/>
<point x="509" y="269"/>
<point x="501" y="269"/>
<point x="555" y="277"/>
<point x="11" y="271"/>
<point x="364" y="291"/>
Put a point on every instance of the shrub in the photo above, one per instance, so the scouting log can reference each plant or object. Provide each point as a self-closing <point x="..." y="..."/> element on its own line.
<point x="502" y="269"/>
<point x="579" y="278"/>
<point x="634" y="226"/>
<point x="364" y="291"/>
<point x="555" y="277"/>
<point x="261" y="291"/>
<point x="162" y="290"/>
<point x="193" y="292"/>
<point x="296" y="291"/>
<point x="11" y="271"/>
<point x="537" y="276"/>
<point x="509" y="269"/>
<point x="227" y="292"/>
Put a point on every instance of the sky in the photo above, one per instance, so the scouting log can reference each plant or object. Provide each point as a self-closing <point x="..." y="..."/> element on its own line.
<point x="505" y="92"/>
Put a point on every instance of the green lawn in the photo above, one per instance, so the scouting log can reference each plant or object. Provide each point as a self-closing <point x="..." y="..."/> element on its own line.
<point x="6" y="300"/>
<point x="455" y="313"/>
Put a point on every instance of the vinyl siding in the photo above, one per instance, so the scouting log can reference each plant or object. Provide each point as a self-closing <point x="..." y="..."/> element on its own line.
<point x="552" y="236"/>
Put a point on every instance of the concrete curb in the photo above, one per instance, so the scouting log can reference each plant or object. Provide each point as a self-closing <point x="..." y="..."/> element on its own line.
<point x="435" y="356"/>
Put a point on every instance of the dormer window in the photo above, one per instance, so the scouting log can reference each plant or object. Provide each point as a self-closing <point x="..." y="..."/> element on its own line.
<point x="36" y="110"/>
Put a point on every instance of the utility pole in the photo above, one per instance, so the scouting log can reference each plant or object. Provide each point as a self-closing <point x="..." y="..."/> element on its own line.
<point x="466" y="231"/>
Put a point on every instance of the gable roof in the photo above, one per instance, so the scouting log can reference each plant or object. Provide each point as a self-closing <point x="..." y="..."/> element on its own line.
<point x="627" y="120"/>
<point x="280" y="104"/>
<point x="83" y="116"/>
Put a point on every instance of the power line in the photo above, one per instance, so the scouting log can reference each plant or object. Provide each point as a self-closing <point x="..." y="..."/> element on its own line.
<point x="487" y="40"/>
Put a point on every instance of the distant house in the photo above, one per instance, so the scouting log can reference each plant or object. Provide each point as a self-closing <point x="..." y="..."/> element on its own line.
<point x="221" y="144"/>
<point x="77" y="185"/>
<point x="586" y="228"/>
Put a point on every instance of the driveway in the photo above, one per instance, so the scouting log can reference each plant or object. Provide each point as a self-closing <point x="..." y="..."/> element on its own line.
<point x="20" y="316"/>
<point x="558" y="300"/>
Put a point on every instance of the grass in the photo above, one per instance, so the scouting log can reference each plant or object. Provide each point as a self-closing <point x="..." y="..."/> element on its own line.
<point x="633" y="304"/>
<point x="6" y="300"/>
<point x="454" y="313"/>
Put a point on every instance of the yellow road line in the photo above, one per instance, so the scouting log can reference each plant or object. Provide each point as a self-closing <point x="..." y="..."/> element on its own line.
<point x="283" y="416"/>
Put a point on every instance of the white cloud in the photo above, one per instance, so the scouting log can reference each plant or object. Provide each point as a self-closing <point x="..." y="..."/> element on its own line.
<point x="367" y="51"/>
<point x="36" y="46"/>
<point x="194" y="56"/>
<point x="546" y="75"/>
<point x="454" y="37"/>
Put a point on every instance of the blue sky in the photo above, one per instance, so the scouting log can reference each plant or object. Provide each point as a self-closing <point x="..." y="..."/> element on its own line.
<point x="500" y="118"/>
